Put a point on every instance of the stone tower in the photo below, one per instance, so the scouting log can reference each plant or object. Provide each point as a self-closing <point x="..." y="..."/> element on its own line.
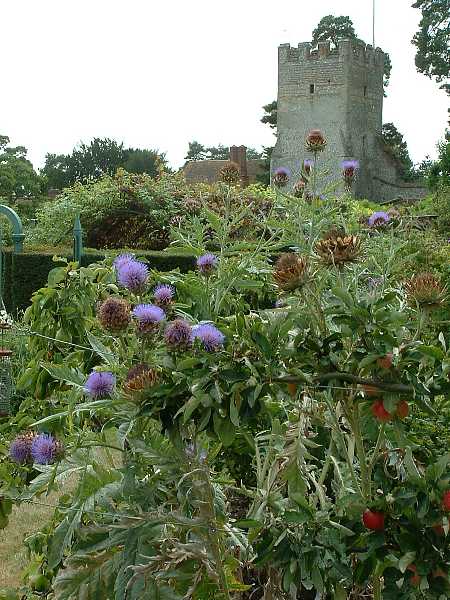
<point x="340" y="92"/>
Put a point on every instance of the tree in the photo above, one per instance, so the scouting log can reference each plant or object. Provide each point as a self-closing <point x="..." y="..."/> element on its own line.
<point x="439" y="173"/>
<point x="219" y="152"/>
<point x="431" y="41"/>
<point x="99" y="157"/>
<point x="398" y="148"/>
<point x="333" y="29"/>
<point x="18" y="179"/>
<point x="144" y="161"/>
<point x="270" y="116"/>
<point x="196" y="151"/>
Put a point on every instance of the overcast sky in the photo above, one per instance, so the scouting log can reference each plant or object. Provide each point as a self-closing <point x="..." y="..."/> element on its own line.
<point x="159" y="73"/>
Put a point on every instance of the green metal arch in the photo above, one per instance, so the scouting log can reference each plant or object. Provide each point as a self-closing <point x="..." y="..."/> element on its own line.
<point x="18" y="236"/>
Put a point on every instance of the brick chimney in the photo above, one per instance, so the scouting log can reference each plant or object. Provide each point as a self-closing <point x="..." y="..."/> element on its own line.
<point x="238" y="155"/>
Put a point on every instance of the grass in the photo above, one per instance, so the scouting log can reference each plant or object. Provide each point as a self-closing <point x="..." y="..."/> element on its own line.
<point x="23" y="521"/>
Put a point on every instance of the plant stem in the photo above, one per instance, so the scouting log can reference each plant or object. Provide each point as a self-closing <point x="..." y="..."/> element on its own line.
<point x="365" y="476"/>
<point x="341" y="436"/>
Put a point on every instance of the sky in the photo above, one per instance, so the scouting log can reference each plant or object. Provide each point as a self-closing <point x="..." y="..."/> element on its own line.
<point x="160" y="73"/>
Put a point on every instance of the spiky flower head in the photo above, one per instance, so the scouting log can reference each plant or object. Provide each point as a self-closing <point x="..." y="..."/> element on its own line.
<point x="114" y="314"/>
<point x="148" y="316"/>
<point x="338" y="250"/>
<point x="139" y="378"/>
<point x="315" y="141"/>
<point x="192" y="205"/>
<point x="178" y="334"/>
<point x="349" y="168"/>
<point x="281" y="177"/>
<point x="291" y="271"/>
<point x="122" y="260"/>
<point x="308" y="165"/>
<point x="299" y="188"/>
<point x="379" y="219"/>
<point x="230" y="173"/>
<point x="163" y="294"/>
<point x="100" y="384"/>
<point x="20" y="448"/>
<point x="208" y="334"/>
<point x="133" y="275"/>
<point x="425" y="290"/>
<point x="46" y="449"/>
<point x="207" y="263"/>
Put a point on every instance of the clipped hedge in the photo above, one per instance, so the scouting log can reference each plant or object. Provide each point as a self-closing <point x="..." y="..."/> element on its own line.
<point x="23" y="274"/>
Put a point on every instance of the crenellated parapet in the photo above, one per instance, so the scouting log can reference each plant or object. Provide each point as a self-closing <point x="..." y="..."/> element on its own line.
<point x="354" y="51"/>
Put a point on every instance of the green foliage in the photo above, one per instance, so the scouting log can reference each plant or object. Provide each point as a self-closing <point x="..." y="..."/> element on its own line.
<point x="198" y="151"/>
<point x="124" y="210"/>
<point x="100" y="157"/>
<point x="431" y="41"/>
<point x="244" y="470"/>
<point x="18" y="179"/>
<point x="333" y="29"/>
<point x="397" y="147"/>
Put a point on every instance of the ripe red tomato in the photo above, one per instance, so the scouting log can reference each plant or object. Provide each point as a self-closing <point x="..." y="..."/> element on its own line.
<point x="402" y="410"/>
<point x="292" y="389"/>
<point x="386" y="361"/>
<point x="446" y="501"/>
<point x="415" y="579"/>
<point x="379" y="412"/>
<point x="438" y="529"/>
<point x="373" y="519"/>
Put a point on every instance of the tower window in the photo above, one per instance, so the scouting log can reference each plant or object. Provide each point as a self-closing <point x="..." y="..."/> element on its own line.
<point x="365" y="91"/>
<point x="311" y="88"/>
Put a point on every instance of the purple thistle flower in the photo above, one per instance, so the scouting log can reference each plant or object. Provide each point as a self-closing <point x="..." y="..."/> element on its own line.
<point x="100" y="384"/>
<point x="133" y="275"/>
<point x="178" y="334"/>
<point x="283" y="171"/>
<point x="207" y="263"/>
<point x="45" y="449"/>
<point x="351" y="165"/>
<point x="163" y="294"/>
<point x="20" y="448"/>
<point x="378" y="219"/>
<point x="308" y="165"/>
<point x="148" y="316"/>
<point x="122" y="260"/>
<point x="209" y="335"/>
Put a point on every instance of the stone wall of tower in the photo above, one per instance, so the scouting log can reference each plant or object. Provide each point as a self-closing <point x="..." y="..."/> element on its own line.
<point x="340" y="92"/>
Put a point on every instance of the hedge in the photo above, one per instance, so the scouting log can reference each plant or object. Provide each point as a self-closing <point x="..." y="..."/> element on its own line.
<point x="23" y="274"/>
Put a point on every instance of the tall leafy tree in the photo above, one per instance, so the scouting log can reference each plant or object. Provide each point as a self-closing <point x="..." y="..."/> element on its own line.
<point x="101" y="156"/>
<point x="333" y="29"/>
<point x="270" y="114"/>
<point x="196" y="151"/>
<point x="398" y="147"/>
<point x="432" y="40"/>
<point x="138" y="160"/>
<point x="18" y="179"/>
